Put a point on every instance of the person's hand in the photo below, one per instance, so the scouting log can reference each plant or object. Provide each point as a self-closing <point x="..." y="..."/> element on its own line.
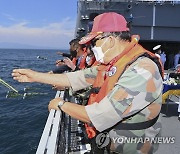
<point x="24" y="75"/>
<point x="59" y="62"/>
<point x="69" y="63"/>
<point x="53" y="104"/>
<point x="50" y="72"/>
<point x="59" y="53"/>
<point x="55" y="87"/>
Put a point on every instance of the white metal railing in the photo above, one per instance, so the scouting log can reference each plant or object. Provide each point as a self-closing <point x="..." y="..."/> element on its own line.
<point x="48" y="139"/>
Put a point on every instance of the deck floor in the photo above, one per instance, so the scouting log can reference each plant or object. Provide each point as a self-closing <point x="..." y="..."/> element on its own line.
<point x="170" y="127"/>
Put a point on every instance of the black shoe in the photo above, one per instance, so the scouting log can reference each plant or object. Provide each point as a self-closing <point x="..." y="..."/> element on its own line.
<point x="179" y="118"/>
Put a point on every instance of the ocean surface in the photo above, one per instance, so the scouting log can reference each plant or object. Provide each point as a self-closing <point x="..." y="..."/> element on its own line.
<point x="22" y="120"/>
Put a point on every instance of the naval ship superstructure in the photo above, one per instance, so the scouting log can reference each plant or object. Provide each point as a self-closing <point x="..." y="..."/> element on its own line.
<point x="157" y="22"/>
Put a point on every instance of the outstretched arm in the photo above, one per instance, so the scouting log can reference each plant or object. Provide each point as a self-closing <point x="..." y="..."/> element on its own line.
<point x="27" y="75"/>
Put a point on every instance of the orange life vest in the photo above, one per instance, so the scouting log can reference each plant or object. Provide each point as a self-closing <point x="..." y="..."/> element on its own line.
<point x="113" y="72"/>
<point x="83" y="60"/>
<point x="82" y="64"/>
<point x="74" y="60"/>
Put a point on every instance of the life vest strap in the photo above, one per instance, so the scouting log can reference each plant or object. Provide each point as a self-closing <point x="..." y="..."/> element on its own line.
<point x="136" y="126"/>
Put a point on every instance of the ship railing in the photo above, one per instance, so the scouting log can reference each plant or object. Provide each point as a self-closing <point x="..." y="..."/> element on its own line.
<point x="48" y="141"/>
<point x="60" y="134"/>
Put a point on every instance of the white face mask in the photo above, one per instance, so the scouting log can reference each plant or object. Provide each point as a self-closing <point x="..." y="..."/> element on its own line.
<point x="88" y="60"/>
<point x="98" y="53"/>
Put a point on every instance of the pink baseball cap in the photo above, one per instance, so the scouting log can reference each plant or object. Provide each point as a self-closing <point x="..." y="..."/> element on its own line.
<point x="106" y="22"/>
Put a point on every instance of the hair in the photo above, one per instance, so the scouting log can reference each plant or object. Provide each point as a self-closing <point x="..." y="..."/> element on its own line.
<point x="75" y="43"/>
<point x="125" y="35"/>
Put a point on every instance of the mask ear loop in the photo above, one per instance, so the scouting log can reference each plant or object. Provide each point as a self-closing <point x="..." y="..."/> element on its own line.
<point x="103" y="44"/>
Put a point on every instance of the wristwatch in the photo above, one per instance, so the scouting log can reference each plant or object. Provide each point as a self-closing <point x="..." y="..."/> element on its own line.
<point x="60" y="104"/>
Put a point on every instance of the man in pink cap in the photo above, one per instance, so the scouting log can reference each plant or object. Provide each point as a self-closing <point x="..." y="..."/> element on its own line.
<point x="127" y="87"/>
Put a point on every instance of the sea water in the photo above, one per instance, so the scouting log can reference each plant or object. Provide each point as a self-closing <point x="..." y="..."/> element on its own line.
<point x="22" y="120"/>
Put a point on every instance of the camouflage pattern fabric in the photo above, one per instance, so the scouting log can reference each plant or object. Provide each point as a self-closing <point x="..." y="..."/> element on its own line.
<point x="138" y="86"/>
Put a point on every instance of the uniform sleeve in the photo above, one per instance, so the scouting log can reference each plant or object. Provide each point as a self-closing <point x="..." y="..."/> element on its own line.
<point x="82" y="79"/>
<point x="139" y="85"/>
<point x="66" y="55"/>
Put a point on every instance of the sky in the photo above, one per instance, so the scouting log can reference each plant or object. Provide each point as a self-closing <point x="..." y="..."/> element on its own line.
<point x="37" y="23"/>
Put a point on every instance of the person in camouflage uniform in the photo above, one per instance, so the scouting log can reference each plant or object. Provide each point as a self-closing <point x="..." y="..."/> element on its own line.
<point x="129" y="101"/>
<point x="130" y="95"/>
